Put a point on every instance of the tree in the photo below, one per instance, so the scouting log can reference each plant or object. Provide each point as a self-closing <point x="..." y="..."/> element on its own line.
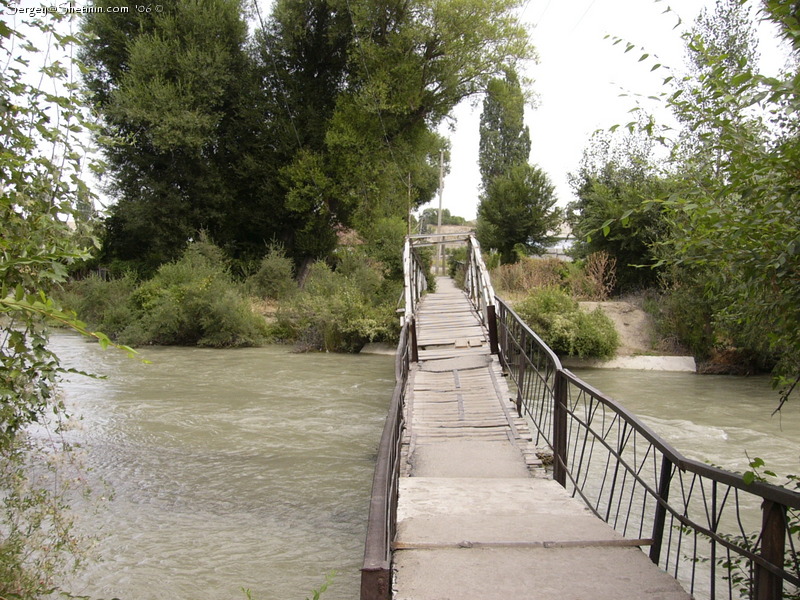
<point x="736" y="224"/>
<point x="407" y="65"/>
<point x="517" y="209"/>
<point x="183" y="132"/>
<point x="46" y="211"/>
<point x="617" y="177"/>
<point x="518" y="212"/>
<point x="505" y="140"/>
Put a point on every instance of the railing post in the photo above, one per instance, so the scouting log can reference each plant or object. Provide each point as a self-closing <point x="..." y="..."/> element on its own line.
<point x="412" y="339"/>
<point x="660" y="517"/>
<point x="560" y="429"/>
<point x="491" y="318"/>
<point x="520" y="380"/>
<point x="769" y="586"/>
<point x="376" y="584"/>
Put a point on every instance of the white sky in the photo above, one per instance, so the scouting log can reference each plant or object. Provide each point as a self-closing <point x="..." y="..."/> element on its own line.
<point x="579" y="79"/>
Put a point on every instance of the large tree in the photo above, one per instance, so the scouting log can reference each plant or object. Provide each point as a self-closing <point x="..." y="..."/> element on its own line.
<point x="179" y="100"/>
<point x="407" y="65"/>
<point x="517" y="212"/>
<point x="505" y="140"/>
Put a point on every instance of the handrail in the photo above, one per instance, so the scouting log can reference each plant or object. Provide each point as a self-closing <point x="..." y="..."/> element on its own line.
<point x="699" y="518"/>
<point x="376" y="580"/>
<point x="415" y="281"/>
<point x="479" y="288"/>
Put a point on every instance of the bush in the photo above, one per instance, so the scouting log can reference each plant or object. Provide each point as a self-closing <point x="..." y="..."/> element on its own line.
<point x="274" y="278"/>
<point x="340" y="310"/>
<point x="194" y="301"/>
<point x="528" y="274"/>
<point x="559" y="321"/>
<point x="103" y="303"/>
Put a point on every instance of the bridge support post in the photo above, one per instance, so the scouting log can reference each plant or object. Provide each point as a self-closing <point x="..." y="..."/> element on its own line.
<point x="560" y="429"/>
<point x="768" y="585"/>
<point x="412" y="342"/>
<point x="660" y="517"/>
<point x="491" y="322"/>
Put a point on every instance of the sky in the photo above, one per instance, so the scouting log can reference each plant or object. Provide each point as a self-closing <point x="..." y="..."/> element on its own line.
<point x="578" y="81"/>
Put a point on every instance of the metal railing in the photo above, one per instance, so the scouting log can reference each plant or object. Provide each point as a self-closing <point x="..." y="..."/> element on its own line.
<point x="376" y="576"/>
<point x="479" y="289"/>
<point x="719" y="536"/>
<point x="376" y="569"/>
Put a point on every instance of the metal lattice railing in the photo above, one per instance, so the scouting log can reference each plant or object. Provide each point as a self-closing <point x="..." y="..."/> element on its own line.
<point x="719" y="536"/>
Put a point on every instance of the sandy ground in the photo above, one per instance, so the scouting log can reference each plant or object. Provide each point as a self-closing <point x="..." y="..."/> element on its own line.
<point x="635" y="327"/>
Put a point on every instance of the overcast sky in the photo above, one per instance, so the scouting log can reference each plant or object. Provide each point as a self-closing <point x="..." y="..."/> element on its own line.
<point x="578" y="80"/>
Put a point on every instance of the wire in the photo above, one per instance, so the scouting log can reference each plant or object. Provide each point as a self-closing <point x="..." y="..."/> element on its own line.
<point x="378" y="108"/>
<point x="280" y="87"/>
<point x="586" y="12"/>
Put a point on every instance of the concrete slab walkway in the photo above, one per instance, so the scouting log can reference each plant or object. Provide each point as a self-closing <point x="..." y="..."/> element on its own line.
<point x="478" y="517"/>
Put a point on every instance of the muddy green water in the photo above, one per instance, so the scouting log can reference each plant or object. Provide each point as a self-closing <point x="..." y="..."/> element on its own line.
<point x="237" y="468"/>
<point x="713" y="418"/>
<point x="252" y="468"/>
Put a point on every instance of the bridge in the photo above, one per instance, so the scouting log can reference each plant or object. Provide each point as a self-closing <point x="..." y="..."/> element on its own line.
<point x="500" y="474"/>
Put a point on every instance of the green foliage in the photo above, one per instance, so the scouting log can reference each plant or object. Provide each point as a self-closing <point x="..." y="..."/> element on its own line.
<point x="617" y="177"/>
<point x="274" y="278"/>
<point x="735" y="220"/>
<point x="518" y="210"/>
<point x="556" y="317"/>
<point x="101" y="302"/>
<point x="184" y="127"/>
<point x="193" y="301"/>
<point x="340" y="310"/>
<point x="505" y="140"/>
<point x="46" y="212"/>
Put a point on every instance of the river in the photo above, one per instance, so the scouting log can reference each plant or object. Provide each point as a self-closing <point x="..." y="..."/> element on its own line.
<point x="230" y="469"/>
<point x="718" y="419"/>
<point x="251" y="468"/>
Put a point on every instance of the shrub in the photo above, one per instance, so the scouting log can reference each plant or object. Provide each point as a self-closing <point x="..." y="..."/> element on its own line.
<point x="193" y="301"/>
<point x="556" y="317"/>
<point x="594" y="277"/>
<point x="274" y="278"/>
<point x="528" y="274"/>
<point x="339" y="310"/>
<point x="103" y="303"/>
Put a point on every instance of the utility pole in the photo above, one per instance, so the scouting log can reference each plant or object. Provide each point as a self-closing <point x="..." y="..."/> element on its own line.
<point x="409" y="204"/>
<point x="440" y="257"/>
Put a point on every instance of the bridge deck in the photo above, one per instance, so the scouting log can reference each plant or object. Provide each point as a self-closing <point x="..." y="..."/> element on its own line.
<point x="478" y="517"/>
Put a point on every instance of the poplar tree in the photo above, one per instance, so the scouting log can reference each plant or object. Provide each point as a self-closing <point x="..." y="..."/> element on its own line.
<point x="517" y="212"/>
<point x="505" y="140"/>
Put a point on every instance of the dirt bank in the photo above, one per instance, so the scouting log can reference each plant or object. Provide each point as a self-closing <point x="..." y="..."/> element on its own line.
<point x="635" y="327"/>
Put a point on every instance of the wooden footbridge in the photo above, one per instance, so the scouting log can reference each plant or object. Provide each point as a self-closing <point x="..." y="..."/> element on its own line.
<point x="502" y="475"/>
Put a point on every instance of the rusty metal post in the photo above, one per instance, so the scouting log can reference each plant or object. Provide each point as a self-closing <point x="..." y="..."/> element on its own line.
<point x="768" y="585"/>
<point x="660" y="517"/>
<point x="560" y="429"/>
<point x="491" y="318"/>
<point x="376" y="584"/>
<point x="412" y="331"/>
